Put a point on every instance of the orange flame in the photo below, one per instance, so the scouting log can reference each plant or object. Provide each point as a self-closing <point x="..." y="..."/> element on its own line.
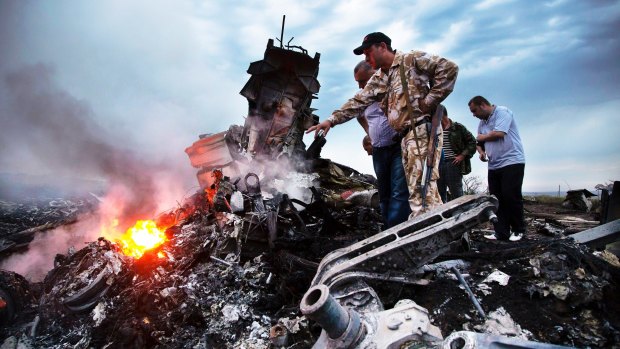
<point x="143" y="236"/>
<point x="213" y="188"/>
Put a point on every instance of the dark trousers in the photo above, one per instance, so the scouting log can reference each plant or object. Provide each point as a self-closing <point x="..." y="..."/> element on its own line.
<point x="392" y="184"/>
<point x="450" y="177"/>
<point x="505" y="183"/>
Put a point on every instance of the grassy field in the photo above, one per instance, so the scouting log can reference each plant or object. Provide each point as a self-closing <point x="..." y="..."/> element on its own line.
<point x="549" y="199"/>
<point x="554" y="200"/>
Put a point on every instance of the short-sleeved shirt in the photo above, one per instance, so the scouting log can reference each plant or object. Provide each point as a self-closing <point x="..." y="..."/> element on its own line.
<point x="379" y="129"/>
<point x="507" y="150"/>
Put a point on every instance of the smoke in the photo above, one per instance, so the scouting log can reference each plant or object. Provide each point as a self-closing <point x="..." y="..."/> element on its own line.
<point x="50" y="132"/>
<point x="39" y="259"/>
<point x="277" y="176"/>
<point x="46" y="131"/>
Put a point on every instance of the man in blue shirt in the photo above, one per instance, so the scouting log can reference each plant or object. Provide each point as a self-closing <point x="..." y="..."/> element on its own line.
<point x="386" y="156"/>
<point x="499" y="143"/>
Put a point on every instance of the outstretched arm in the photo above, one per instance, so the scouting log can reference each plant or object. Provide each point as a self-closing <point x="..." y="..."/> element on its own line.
<point x="353" y="107"/>
<point x="326" y="125"/>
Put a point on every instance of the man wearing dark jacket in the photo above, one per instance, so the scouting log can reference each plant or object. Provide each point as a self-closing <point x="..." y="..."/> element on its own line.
<point x="459" y="145"/>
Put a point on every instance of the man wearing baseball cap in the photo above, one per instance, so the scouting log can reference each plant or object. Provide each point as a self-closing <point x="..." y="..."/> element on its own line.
<point x="429" y="80"/>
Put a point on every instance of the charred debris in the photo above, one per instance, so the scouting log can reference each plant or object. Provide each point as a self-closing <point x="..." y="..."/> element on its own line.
<point x="284" y="249"/>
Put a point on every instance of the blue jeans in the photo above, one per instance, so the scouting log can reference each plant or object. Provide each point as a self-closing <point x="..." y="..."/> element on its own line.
<point x="392" y="184"/>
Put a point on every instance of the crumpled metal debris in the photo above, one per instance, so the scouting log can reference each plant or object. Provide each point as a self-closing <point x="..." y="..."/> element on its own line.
<point x="221" y="280"/>
<point x="497" y="276"/>
<point x="499" y="322"/>
<point x="15" y="295"/>
<point x="578" y="199"/>
<point x="218" y="260"/>
<point x="548" y="228"/>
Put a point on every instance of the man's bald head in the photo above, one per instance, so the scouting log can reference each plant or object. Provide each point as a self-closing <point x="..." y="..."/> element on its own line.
<point x="363" y="66"/>
<point x="362" y="73"/>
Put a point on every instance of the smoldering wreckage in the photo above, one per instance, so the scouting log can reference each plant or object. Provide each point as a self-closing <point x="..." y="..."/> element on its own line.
<point x="281" y="248"/>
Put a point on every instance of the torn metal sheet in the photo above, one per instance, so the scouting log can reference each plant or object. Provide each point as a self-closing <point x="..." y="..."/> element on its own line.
<point x="497" y="276"/>
<point x="599" y="236"/>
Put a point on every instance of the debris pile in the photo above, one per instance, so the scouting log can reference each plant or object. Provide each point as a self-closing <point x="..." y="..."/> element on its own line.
<point x="222" y="279"/>
<point x="222" y="282"/>
<point x="555" y="290"/>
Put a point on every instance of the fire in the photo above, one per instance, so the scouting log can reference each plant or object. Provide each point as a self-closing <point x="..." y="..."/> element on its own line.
<point x="143" y="236"/>
<point x="211" y="190"/>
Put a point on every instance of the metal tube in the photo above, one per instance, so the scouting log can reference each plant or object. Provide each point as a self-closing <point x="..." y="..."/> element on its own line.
<point x="282" y="32"/>
<point x="221" y="261"/>
<point x="321" y="307"/>
<point x="469" y="292"/>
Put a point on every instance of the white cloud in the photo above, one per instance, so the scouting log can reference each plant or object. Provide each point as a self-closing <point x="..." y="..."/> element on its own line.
<point x="487" y="4"/>
<point x="556" y="21"/>
<point x="404" y="35"/>
<point x="554" y="3"/>
<point x="456" y="34"/>
<point x="492" y="64"/>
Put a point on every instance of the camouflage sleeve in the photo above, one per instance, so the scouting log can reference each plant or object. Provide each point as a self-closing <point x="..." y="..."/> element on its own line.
<point x="356" y="105"/>
<point x="442" y="73"/>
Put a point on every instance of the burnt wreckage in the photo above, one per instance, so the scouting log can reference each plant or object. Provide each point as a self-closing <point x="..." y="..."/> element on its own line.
<point x="277" y="236"/>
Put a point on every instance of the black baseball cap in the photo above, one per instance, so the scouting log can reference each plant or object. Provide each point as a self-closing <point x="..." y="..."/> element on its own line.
<point x="370" y="39"/>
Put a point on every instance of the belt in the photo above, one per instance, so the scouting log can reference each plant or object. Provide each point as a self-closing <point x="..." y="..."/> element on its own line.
<point x="406" y="130"/>
<point x="388" y="146"/>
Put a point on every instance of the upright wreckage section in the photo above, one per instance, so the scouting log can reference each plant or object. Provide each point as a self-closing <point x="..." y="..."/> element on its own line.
<point x="279" y="93"/>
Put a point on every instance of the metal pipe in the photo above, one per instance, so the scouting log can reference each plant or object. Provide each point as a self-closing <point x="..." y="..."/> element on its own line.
<point x="321" y="307"/>
<point x="492" y="217"/>
<point x="221" y="261"/>
<point x="35" y="323"/>
<point x="469" y="292"/>
<point x="282" y="32"/>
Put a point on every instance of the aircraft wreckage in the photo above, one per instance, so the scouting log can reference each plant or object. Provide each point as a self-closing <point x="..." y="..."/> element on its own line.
<point x="281" y="248"/>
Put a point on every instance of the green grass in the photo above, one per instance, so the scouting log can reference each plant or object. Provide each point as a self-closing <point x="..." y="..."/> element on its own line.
<point x="557" y="200"/>
<point x="549" y="199"/>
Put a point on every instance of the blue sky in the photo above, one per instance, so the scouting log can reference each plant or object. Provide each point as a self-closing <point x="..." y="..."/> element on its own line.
<point x="149" y="76"/>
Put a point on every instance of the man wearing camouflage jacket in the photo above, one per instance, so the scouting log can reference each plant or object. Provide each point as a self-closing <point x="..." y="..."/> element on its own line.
<point x="430" y="79"/>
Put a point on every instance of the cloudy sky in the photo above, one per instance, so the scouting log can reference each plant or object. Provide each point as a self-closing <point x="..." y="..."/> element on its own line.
<point x="84" y="77"/>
